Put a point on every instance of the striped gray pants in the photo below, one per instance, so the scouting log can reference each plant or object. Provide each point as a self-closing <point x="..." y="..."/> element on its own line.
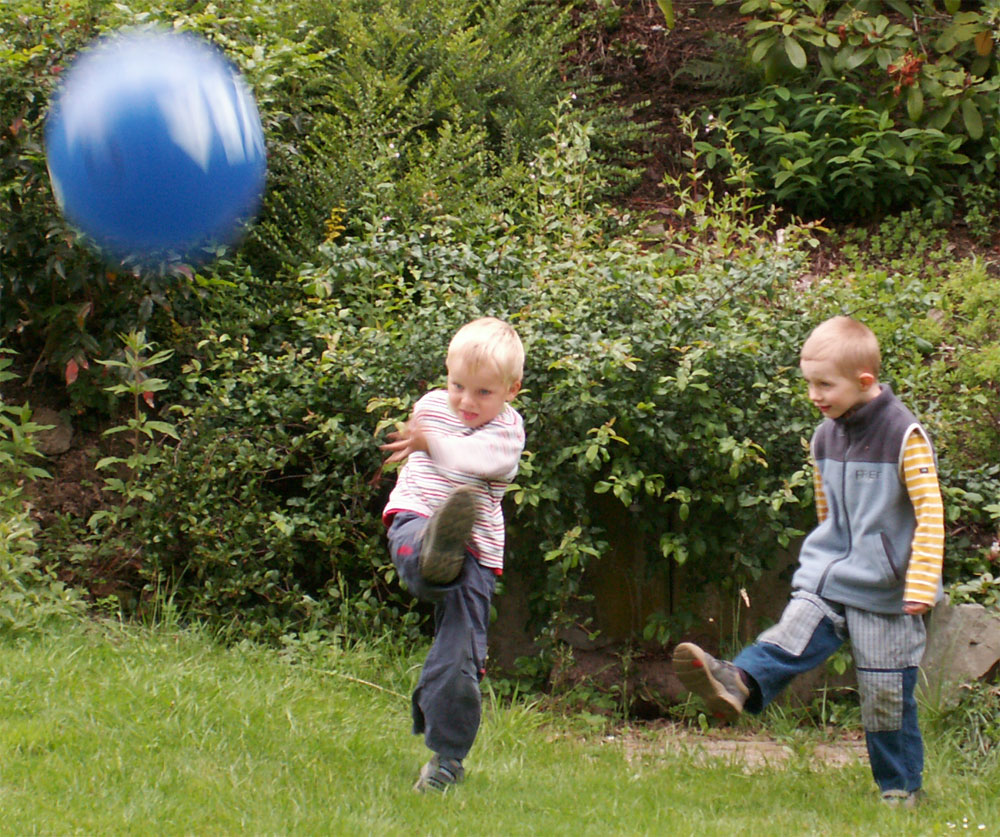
<point x="887" y="651"/>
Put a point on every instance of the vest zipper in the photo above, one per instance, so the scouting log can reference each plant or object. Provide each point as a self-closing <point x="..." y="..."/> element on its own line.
<point x="847" y="519"/>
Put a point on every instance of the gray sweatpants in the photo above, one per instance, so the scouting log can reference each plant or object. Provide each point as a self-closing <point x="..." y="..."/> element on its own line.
<point x="447" y="705"/>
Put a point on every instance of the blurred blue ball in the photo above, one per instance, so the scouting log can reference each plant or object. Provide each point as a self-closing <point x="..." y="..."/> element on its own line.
<point x="155" y="147"/>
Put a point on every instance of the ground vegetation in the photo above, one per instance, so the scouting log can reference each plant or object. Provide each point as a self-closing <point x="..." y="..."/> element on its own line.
<point x="580" y="169"/>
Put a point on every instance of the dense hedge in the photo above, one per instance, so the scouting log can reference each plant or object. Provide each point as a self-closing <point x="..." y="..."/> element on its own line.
<point x="661" y="375"/>
<point x="666" y="382"/>
<point x="666" y="379"/>
<point x="372" y="115"/>
<point x="855" y="108"/>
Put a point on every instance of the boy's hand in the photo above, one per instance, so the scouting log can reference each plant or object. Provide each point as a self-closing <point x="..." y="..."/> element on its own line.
<point x="915" y="608"/>
<point x="404" y="441"/>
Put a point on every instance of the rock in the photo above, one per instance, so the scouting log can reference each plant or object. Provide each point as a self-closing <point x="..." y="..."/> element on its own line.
<point x="963" y="645"/>
<point x="57" y="440"/>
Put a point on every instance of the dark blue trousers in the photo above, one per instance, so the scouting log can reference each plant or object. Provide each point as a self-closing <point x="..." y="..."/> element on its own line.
<point x="447" y="704"/>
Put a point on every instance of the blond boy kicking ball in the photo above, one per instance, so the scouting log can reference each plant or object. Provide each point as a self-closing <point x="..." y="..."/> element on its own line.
<point x="461" y="449"/>
<point x="868" y="572"/>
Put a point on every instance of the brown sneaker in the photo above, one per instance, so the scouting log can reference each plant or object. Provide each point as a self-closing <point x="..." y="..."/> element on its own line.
<point x="446" y="535"/>
<point x="716" y="682"/>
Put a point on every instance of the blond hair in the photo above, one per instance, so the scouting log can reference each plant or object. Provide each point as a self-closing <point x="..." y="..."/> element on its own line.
<point x="850" y="345"/>
<point x="492" y="342"/>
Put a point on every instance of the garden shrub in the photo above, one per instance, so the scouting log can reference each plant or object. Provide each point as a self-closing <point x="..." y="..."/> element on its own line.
<point x="31" y="596"/>
<point x="394" y="114"/>
<point x="18" y="453"/>
<point x="50" y="288"/>
<point x="263" y="518"/>
<point x="63" y="304"/>
<point x="661" y="376"/>
<point x="671" y="391"/>
<point x="821" y="152"/>
<point x="870" y="106"/>
<point x="939" y="64"/>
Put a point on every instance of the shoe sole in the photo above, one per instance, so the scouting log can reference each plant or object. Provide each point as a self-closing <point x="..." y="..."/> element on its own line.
<point x="691" y="668"/>
<point x="446" y="536"/>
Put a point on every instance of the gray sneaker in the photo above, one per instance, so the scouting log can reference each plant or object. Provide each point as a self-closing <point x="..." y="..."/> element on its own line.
<point x="446" y="535"/>
<point x="901" y="798"/>
<point x="439" y="774"/>
<point x="716" y="682"/>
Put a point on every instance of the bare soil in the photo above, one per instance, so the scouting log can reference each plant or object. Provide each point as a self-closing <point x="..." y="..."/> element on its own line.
<point x="749" y="752"/>
<point x="641" y="63"/>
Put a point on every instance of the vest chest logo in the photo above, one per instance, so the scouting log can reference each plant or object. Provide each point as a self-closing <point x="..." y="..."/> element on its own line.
<point x="866" y="475"/>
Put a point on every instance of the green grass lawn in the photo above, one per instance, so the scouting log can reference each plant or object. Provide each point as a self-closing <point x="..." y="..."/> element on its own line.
<point x="119" y="730"/>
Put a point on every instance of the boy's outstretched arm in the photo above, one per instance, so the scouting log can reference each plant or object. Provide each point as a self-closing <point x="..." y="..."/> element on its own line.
<point x="927" y="548"/>
<point x="408" y="439"/>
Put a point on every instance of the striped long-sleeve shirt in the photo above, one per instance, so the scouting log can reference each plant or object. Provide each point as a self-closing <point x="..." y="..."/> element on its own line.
<point x="485" y="457"/>
<point x="918" y="471"/>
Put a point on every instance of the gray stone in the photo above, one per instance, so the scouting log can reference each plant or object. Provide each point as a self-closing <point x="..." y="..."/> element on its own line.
<point x="963" y="645"/>
<point x="57" y="440"/>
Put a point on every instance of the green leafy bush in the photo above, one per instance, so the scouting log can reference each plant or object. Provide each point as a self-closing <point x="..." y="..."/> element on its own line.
<point x="264" y="518"/>
<point x="870" y="106"/>
<point x="31" y="596"/>
<point x="372" y="116"/>
<point x="940" y="64"/>
<point x="666" y="385"/>
<point x="17" y="445"/>
<point x="821" y="152"/>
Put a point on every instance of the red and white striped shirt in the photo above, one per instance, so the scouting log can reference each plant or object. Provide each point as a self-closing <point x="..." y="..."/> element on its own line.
<point x="485" y="457"/>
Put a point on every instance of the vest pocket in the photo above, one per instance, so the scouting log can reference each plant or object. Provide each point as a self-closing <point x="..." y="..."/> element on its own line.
<point x="890" y="556"/>
<point x="876" y="552"/>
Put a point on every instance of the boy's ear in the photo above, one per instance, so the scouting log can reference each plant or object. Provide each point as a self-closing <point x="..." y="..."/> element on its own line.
<point x="515" y="388"/>
<point x="867" y="380"/>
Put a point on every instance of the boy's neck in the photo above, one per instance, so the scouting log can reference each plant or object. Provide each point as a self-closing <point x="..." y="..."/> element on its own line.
<point x="873" y="392"/>
<point x="869" y="395"/>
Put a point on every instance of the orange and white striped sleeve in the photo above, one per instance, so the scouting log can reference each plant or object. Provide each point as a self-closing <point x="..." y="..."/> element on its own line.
<point x="819" y="495"/>
<point x="919" y="473"/>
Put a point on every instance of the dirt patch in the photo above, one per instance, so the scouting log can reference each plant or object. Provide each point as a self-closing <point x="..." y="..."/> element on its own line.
<point x="645" y="66"/>
<point x="750" y="751"/>
<point x="74" y="490"/>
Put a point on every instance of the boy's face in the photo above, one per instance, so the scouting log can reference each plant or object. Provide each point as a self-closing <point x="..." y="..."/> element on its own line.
<point x="477" y="396"/>
<point x="834" y="393"/>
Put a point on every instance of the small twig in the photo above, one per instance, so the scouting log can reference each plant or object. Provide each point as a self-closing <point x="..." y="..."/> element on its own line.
<point x="355" y="680"/>
<point x="34" y="368"/>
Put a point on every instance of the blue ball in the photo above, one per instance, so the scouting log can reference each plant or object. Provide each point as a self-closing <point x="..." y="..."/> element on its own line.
<point x="154" y="146"/>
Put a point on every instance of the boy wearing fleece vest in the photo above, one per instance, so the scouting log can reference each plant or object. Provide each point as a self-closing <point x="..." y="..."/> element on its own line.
<point x="868" y="572"/>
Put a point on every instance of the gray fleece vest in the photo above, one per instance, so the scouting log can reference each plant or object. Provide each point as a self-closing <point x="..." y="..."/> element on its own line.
<point x="858" y="556"/>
